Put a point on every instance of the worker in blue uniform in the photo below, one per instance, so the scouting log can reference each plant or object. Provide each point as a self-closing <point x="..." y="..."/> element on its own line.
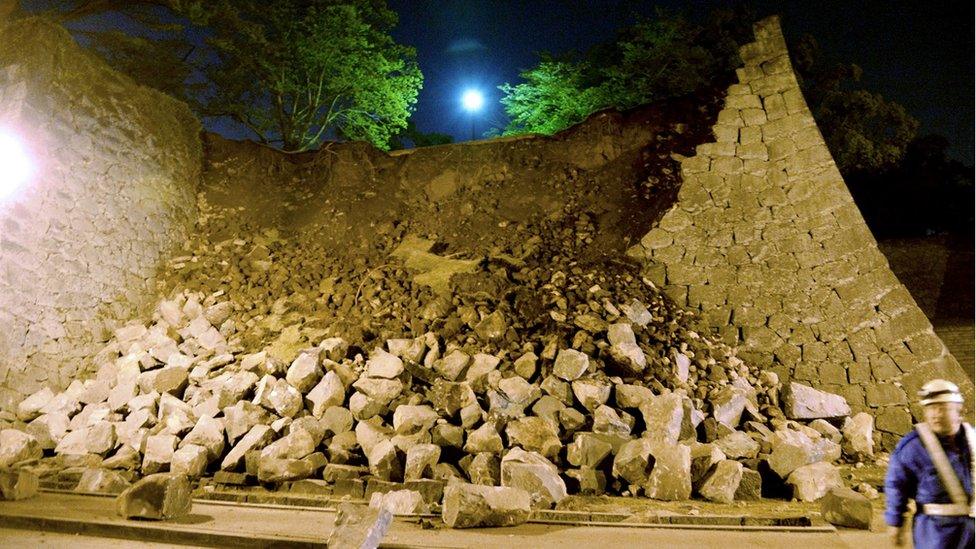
<point x="933" y="464"/>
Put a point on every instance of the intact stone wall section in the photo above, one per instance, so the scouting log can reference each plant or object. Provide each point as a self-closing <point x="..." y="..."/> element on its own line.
<point x="113" y="188"/>
<point x="766" y="241"/>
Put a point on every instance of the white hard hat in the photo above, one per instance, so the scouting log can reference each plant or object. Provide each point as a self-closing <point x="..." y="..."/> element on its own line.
<point x="939" y="390"/>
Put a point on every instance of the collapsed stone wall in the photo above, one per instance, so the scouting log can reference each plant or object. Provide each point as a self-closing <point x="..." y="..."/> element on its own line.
<point x="766" y="241"/>
<point x="113" y="188"/>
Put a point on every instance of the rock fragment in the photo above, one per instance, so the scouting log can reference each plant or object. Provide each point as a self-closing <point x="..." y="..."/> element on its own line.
<point x="670" y="478"/>
<point x="399" y="502"/>
<point x="722" y="482"/>
<point x="101" y="481"/>
<point x="804" y="402"/>
<point x="17" y="484"/>
<point x="359" y="526"/>
<point x="570" y="364"/>
<point x="17" y="446"/>
<point x="534" y="474"/>
<point x="858" y="436"/>
<point x="472" y="505"/>
<point x="845" y="507"/>
<point x="811" y="482"/>
<point x="161" y="496"/>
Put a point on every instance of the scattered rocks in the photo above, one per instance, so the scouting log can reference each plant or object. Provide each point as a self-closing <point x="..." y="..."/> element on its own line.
<point x="484" y="386"/>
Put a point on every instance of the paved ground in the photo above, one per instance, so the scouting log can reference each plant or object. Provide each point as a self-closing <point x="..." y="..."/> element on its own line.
<point x="214" y="523"/>
<point x="10" y="537"/>
<point x="959" y="337"/>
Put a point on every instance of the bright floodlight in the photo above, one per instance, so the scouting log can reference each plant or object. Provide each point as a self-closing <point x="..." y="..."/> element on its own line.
<point x="472" y="100"/>
<point x="14" y="165"/>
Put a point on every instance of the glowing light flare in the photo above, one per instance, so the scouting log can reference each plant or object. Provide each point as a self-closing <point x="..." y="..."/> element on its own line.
<point x="15" y="166"/>
<point x="472" y="100"/>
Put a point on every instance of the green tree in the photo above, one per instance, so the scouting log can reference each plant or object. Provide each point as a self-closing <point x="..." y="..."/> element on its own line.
<point x="154" y="50"/>
<point x="865" y="132"/>
<point x="654" y="59"/>
<point x="411" y="135"/>
<point x="294" y="71"/>
<point x="553" y="95"/>
<point x="159" y="63"/>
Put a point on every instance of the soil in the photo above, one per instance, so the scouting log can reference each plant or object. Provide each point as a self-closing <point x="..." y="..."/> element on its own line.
<point x="616" y="169"/>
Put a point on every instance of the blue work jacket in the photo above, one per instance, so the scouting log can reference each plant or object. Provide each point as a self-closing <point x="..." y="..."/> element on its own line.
<point x="912" y="475"/>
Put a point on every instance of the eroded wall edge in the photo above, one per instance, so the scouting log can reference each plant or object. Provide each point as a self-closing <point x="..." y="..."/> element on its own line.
<point x="767" y="243"/>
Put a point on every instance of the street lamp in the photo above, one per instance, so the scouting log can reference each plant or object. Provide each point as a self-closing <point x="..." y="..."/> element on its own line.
<point x="15" y="167"/>
<point x="472" y="101"/>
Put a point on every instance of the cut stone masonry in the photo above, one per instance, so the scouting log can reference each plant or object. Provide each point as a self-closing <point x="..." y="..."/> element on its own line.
<point x="766" y="241"/>
<point x="114" y="188"/>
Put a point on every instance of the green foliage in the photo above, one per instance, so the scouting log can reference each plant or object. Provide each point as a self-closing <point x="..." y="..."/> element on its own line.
<point x="655" y="59"/>
<point x="292" y="71"/>
<point x="864" y="131"/>
<point x="926" y="192"/>
<point x="553" y="96"/>
<point x="159" y="63"/>
<point x="411" y="136"/>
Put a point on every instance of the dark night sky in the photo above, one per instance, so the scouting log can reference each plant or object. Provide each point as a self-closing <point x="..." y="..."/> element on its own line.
<point x="917" y="53"/>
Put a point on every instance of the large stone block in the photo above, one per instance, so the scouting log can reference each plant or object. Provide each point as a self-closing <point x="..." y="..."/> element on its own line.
<point x="359" y="526"/>
<point x="161" y="496"/>
<point x="17" y="484"/>
<point x="534" y="474"/>
<point x="722" y="482"/>
<point x="845" y="507"/>
<point x="804" y="402"/>
<point x="885" y="394"/>
<point x="472" y="505"/>
<point x="811" y="482"/>
<point x="670" y="478"/>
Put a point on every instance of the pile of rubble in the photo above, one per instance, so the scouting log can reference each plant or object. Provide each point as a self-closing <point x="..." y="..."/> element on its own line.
<point x="484" y="386"/>
<point x="516" y="401"/>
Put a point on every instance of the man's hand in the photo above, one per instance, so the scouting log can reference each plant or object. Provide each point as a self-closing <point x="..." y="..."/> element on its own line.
<point x="897" y="535"/>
